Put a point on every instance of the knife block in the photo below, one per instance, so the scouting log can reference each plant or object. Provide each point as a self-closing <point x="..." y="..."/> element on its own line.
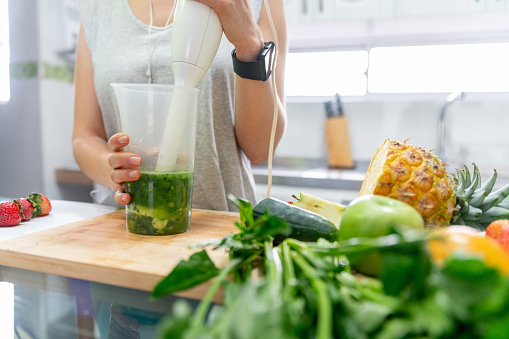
<point x="338" y="142"/>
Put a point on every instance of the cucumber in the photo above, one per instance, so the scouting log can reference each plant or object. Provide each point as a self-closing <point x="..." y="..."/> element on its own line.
<point x="305" y="225"/>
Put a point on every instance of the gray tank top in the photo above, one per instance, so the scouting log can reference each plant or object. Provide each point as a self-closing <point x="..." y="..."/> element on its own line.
<point x="119" y="45"/>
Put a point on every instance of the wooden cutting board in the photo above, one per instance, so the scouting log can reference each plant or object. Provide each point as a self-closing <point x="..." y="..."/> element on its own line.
<point x="101" y="249"/>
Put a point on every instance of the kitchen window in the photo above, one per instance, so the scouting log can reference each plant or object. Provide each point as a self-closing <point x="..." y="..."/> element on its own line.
<point x="479" y="67"/>
<point x="5" y="92"/>
<point x="326" y="73"/>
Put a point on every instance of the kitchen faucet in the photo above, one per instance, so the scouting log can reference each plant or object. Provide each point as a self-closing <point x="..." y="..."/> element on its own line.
<point x="441" y="122"/>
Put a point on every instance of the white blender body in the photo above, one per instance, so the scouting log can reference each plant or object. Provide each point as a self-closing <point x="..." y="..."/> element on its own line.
<point x="196" y="35"/>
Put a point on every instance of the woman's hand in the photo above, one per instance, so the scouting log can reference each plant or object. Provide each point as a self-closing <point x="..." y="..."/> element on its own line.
<point x="123" y="166"/>
<point x="239" y="27"/>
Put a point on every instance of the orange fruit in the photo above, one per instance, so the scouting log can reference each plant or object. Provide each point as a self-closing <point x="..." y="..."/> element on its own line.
<point x="464" y="240"/>
<point x="499" y="230"/>
<point x="495" y="229"/>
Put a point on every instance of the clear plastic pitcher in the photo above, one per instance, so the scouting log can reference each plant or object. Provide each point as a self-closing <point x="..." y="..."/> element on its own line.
<point x="160" y="121"/>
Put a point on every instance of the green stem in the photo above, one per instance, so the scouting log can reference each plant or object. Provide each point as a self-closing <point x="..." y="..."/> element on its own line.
<point x="270" y="265"/>
<point x="324" y="311"/>
<point x="288" y="269"/>
<point x="201" y="312"/>
<point x="374" y="292"/>
<point x="354" y="245"/>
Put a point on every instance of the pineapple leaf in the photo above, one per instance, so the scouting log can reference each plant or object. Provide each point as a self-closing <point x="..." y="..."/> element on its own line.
<point x="468" y="180"/>
<point x="477" y="198"/>
<point x="476" y="180"/>
<point x="458" y="220"/>
<point x="493" y="214"/>
<point x="464" y="209"/>
<point x="504" y="203"/>
<point x="488" y="185"/>
<point x="461" y="182"/>
<point x="473" y="213"/>
<point x="475" y="224"/>
<point x="494" y="198"/>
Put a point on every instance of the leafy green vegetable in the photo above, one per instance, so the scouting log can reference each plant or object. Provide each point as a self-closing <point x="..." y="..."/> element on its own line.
<point x="198" y="269"/>
<point x="308" y="290"/>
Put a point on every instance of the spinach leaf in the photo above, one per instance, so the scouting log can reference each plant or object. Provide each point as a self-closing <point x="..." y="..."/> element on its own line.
<point x="245" y="210"/>
<point x="198" y="269"/>
<point x="405" y="269"/>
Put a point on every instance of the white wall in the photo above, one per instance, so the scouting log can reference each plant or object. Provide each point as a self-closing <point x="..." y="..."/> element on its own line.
<point x="20" y="127"/>
<point x="476" y="129"/>
<point x="57" y="94"/>
<point x="36" y="124"/>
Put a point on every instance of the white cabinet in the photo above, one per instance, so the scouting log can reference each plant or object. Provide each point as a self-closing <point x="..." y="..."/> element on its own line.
<point x="319" y="11"/>
<point x="469" y="26"/>
<point x="470" y="6"/>
<point x="433" y="7"/>
<point x="359" y="9"/>
<point x="496" y="5"/>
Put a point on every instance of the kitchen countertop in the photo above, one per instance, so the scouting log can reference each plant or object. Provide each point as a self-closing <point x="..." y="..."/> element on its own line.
<point x="63" y="212"/>
<point x="69" y="242"/>
<point x="317" y="173"/>
<point x="312" y="173"/>
<point x="61" y="275"/>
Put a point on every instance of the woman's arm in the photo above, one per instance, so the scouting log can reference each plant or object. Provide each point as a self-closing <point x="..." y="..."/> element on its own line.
<point x="254" y="104"/>
<point x="99" y="158"/>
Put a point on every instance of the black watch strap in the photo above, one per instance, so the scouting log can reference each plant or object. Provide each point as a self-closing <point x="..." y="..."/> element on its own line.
<point x="256" y="70"/>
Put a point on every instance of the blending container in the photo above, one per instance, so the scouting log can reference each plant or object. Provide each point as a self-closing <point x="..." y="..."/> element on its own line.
<point x="160" y="121"/>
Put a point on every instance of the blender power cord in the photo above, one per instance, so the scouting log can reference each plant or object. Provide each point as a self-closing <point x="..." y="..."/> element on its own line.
<point x="274" y="94"/>
<point x="151" y="53"/>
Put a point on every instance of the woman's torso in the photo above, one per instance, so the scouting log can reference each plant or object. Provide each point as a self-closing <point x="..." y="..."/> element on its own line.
<point x="121" y="49"/>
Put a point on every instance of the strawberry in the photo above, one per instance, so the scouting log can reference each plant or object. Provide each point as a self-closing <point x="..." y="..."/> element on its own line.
<point x="499" y="230"/>
<point x="27" y="208"/>
<point x="10" y="214"/>
<point x="42" y="203"/>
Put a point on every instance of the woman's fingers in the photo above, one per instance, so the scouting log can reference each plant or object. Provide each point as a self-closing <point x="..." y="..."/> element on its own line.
<point x="122" y="198"/>
<point x="124" y="159"/>
<point x="118" y="141"/>
<point x="118" y="158"/>
<point x="123" y="166"/>
<point x="121" y="175"/>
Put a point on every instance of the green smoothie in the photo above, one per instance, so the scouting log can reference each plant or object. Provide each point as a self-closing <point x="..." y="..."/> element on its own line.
<point x="160" y="203"/>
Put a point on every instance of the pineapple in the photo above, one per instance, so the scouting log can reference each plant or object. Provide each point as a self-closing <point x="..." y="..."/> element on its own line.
<point x="419" y="178"/>
<point x="476" y="205"/>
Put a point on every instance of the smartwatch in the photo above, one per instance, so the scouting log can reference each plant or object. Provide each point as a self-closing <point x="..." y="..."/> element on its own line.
<point x="256" y="70"/>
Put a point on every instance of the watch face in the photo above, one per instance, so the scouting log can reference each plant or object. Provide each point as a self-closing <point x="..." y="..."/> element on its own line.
<point x="268" y="55"/>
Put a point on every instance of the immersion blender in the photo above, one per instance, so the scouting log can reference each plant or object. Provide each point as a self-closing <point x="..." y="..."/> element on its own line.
<point x="196" y="35"/>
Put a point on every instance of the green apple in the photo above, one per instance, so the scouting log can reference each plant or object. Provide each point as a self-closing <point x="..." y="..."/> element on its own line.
<point x="374" y="216"/>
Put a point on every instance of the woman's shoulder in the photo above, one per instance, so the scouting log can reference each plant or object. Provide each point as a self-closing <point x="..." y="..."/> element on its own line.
<point x="94" y="9"/>
<point x="96" y="15"/>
